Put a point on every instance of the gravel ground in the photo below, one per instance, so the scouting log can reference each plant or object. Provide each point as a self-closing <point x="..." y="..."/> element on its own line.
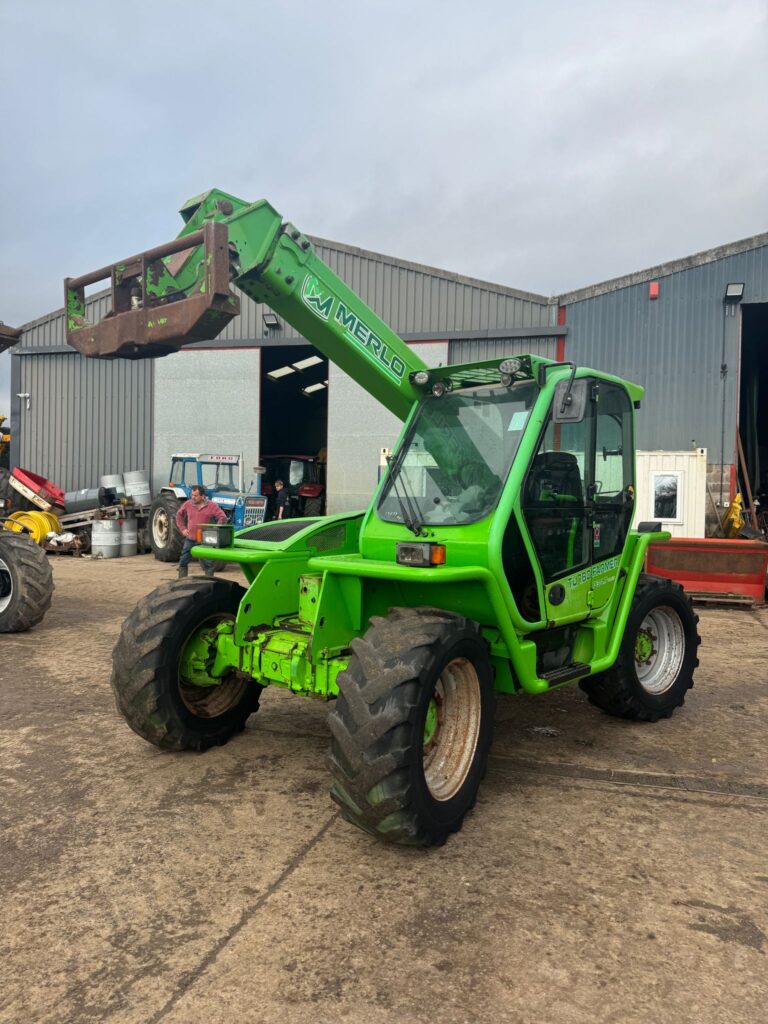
<point x="611" y="871"/>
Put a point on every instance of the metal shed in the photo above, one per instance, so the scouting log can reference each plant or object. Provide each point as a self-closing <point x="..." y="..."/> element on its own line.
<point x="694" y="345"/>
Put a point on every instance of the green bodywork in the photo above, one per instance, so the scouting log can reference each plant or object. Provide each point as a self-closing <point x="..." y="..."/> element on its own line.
<point x="312" y="592"/>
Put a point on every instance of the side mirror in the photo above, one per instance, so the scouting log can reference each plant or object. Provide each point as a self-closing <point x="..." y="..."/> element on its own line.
<point x="570" y="401"/>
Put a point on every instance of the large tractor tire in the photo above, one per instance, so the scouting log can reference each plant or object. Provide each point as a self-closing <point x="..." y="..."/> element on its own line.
<point x="164" y="535"/>
<point x="312" y="507"/>
<point x="657" y="658"/>
<point x="26" y="582"/>
<point x="412" y="726"/>
<point x="151" y="675"/>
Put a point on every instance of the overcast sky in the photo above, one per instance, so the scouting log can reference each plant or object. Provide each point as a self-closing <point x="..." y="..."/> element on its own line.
<point x="539" y="145"/>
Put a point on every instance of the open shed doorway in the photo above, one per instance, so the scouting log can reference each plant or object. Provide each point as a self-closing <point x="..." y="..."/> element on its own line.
<point x="294" y="426"/>
<point x="753" y="398"/>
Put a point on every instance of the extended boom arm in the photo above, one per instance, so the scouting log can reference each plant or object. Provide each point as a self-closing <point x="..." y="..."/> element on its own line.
<point x="178" y="293"/>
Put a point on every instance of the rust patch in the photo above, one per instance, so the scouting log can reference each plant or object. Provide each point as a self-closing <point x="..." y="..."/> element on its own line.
<point x="143" y="327"/>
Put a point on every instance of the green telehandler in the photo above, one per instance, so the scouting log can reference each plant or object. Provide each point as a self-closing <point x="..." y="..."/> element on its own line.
<point x="497" y="554"/>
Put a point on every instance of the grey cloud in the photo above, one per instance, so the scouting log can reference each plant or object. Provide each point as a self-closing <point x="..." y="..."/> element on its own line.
<point x="542" y="146"/>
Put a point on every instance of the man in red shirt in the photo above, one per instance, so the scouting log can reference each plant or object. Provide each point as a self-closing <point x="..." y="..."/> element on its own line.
<point x="193" y="514"/>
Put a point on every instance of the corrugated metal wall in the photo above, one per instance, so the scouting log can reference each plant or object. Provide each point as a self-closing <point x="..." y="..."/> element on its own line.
<point x="48" y="332"/>
<point x="410" y="298"/>
<point x="673" y="346"/>
<point x="86" y="417"/>
<point x="470" y="349"/>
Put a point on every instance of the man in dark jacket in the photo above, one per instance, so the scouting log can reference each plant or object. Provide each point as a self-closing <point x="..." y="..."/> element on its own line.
<point x="282" y="501"/>
<point x="193" y="514"/>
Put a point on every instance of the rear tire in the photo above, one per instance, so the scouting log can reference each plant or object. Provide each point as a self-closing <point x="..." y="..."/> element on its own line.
<point x="164" y="535"/>
<point x="26" y="582"/>
<point x="150" y="691"/>
<point x="657" y="658"/>
<point x="412" y="726"/>
<point x="313" y="507"/>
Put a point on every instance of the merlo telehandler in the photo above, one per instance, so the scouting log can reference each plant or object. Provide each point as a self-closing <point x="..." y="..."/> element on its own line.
<point x="497" y="554"/>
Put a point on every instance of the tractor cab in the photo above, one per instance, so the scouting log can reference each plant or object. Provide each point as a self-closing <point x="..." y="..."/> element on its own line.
<point x="537" y="482"/>
<point x="219" y="474"/>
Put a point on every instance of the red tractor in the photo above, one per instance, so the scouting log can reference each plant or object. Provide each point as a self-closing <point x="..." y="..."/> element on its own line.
<point x="303" y="477"/>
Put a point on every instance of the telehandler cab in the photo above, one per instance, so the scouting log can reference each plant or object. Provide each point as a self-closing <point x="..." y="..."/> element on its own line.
<point x="496" y="555"/>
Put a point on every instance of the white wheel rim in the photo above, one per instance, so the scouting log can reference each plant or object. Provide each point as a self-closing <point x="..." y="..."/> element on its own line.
<point x="659" y="650"/>
<point x="449" y="753"/>
<point x="160" y="527"/>
<point x="6" y="585"/>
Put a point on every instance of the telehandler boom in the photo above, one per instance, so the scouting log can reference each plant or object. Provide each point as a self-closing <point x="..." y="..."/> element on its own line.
<point x="496" y="555"/>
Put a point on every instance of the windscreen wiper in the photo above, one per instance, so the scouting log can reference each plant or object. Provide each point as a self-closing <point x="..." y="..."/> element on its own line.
<point x="412" y="520"/>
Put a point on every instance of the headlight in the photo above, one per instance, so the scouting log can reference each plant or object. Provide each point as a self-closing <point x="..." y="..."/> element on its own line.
<point x="510" y="366"/>
<point x="219" y="536"/>
<point x="421" y="554"/>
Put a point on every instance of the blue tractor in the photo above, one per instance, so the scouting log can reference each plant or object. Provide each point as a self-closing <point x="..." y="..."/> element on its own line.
<point x="222" y="477"/>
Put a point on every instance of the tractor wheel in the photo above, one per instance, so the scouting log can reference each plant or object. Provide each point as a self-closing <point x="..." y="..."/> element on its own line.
<point x="657" y="658"/>
<point x="164" y="535"/>
<point x="313" y="507"/>
<point x="151" y="668"/>
<point x="412" y="726"/>
<point x="26" y="582"/>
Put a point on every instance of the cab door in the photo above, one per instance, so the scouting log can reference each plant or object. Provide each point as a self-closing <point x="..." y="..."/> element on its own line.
<point x="613" y="500"/>
<point x="557" y="502"/>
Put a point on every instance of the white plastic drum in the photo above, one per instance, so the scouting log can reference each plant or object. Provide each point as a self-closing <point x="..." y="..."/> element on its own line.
<point x="137" y="487"/>
<point x="114" y="481"/>
<point x="129" y="537"/>
<point x="106" y="538"/>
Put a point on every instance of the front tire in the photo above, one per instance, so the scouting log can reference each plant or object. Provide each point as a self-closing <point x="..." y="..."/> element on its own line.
<point x="151" y="691"/>
<point x="164" y="535"/>
<point x="657" y="658"/>
<point x="412" y="726"/>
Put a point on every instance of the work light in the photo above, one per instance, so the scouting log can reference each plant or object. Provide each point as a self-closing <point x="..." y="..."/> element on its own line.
<point x="220" y="535"/>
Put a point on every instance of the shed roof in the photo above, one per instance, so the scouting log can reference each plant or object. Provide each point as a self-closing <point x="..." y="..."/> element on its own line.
<point x="719" y="252"/>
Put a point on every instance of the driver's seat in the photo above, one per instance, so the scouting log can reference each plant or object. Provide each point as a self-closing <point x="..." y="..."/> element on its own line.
<point x="553" y="505"/>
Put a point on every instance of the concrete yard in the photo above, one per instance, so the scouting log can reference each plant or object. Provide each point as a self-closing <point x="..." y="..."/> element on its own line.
<point x="611" y="872"/>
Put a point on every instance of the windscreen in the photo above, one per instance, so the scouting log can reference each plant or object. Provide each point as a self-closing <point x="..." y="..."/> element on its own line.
<point x="219" y="476"/>
<point x="456" y="457"/>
